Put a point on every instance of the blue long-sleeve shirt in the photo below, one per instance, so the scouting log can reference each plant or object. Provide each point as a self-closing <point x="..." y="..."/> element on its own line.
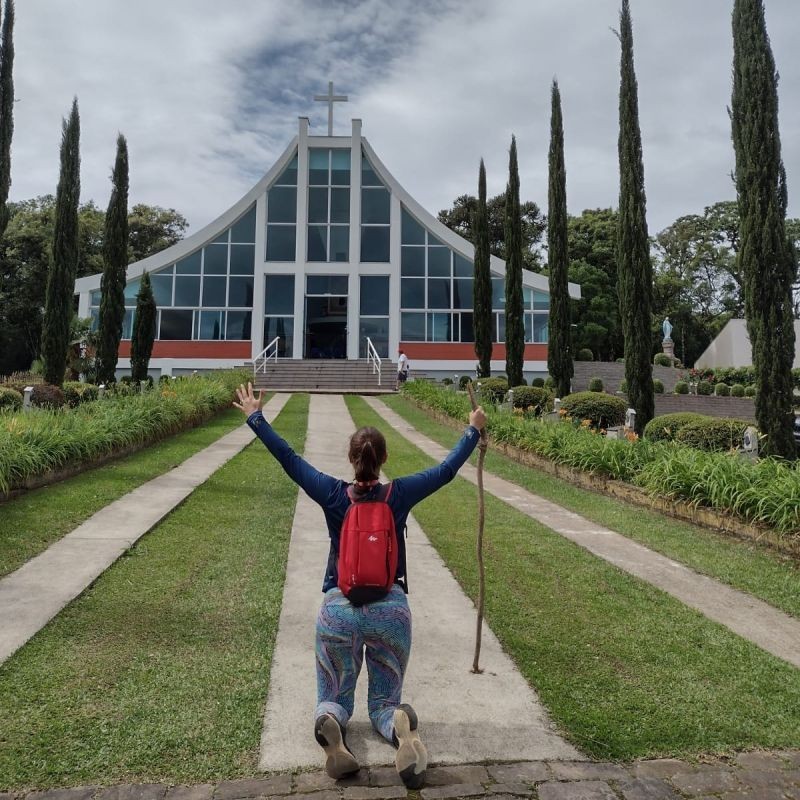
<point x="331" y="493"/>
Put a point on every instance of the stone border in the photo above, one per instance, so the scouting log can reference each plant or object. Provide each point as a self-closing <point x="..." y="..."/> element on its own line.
<point x="679" y="509"/>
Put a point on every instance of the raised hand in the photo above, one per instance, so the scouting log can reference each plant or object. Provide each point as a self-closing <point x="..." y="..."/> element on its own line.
<point x="248" y="402"/>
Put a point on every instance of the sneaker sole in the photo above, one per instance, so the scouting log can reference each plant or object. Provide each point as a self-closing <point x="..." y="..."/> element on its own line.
<point x="339" y="760"/>
<point x="412" y="757"/>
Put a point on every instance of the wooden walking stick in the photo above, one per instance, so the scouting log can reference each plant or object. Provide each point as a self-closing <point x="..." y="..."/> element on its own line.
<point x="481" y="518"/>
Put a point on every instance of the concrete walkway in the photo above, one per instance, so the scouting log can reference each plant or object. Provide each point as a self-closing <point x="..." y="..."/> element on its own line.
<point x="760" y="623"/>
<point x="463" y="717"/>
<point x="32" y="595"/>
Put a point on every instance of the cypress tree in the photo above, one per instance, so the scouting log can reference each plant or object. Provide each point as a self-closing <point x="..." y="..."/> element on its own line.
<point x="515" y="322"/>
<point x="559" y="350"/>
<point x="58" y="310"/>
<point x="765" y="258"/>
<point x="6" y="109"/>
<point x="482" y="286"/>
<point x="144" y="330"/>
<point x="634" y="269"/>
<point x="115" y="261"/>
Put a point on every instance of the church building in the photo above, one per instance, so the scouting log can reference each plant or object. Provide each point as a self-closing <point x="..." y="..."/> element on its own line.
<point x="325" y="253"/>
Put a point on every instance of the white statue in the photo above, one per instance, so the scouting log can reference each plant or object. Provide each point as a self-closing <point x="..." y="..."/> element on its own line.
<point x="667" y="328"/>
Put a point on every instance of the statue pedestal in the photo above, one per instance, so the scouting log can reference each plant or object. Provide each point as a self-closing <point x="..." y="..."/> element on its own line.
<point x="668" y="346"/>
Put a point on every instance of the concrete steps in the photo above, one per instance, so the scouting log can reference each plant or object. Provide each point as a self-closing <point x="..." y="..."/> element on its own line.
<point x="324" y="377"/>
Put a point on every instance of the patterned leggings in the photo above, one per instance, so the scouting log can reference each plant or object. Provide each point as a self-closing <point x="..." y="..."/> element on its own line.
<point x="344" y="632"/>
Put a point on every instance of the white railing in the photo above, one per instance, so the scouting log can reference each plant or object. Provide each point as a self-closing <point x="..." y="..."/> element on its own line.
<point x="374" y="359"/>
<point x="270" y="352"/>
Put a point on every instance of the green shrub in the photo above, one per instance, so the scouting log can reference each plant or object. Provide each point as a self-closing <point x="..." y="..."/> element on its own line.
<point x="603" y="410"/>
<point x="538" y="382"/>
<point x="447" y="381"/>
<point x="46" y="396"/>
<point x="463" y="381"/>
<point x="737" y="390"/>
<point x="749" y="391"/>
<point x="705" y="388"/>
<point x="665" y="427"/>
<point x="595" y="385"/>
<point x="722" y="390"/>
<point x="713" y="434"/>
<point x="584" y="354"/>
<point x="534" y="398"/>
<point x="494" y="389"/>
<point x="658" y="386"/>
<point x="76" y="393"/>
<point x="620" y="361"/>
<point x="662" y="360"/>
<point x="623" y="386"/>
<point x="681" y="387"/>
<point x="550" y="383"/>
<point x="10" y="399"/>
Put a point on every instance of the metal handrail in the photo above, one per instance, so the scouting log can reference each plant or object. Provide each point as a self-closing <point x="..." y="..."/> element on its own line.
<point x="260" y="361"/>
<point x="374" y="359"/>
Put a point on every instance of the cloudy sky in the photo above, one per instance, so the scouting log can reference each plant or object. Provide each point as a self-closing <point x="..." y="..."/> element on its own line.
<point x="208" y="93"/>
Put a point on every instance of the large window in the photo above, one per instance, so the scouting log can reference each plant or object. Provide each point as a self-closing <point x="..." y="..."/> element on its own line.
<point x="436" y="287"/>
<point x="328" y="205"/>
<point x="279" y="312"/>
<point x="282" y="215"/>
<point x="374" y="314"/>
<point x="375" y="212"/>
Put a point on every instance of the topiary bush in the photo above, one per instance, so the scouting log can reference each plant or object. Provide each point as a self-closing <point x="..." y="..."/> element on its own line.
<point x="463" y="381"/>
<point x="533" y="398"/>
<point x="46" y="396"/>
<point x="705" y="388"/>
<point x="623" y="387"/>
<point x="665" y="427"/>
<point x="584" y="354"/>
<point x="76" y="393"/>
<point x="681" y="387"/>
<point x="722" y="390"/>
<point x="494" y="389"/>
<point x="658" y="386"/>
<point x="737" y="390"/>
<point x="550" y="384"/>
<point x="749" y="391"/>
<point x="447" y="381"/>
<point x="10" y="399"/>
<point x="538" y="382"/>
<point x="602" y="410"/>
<point x="713" y="434"/>
<point x="662" y="360"/>
<point x="595" y="385"/>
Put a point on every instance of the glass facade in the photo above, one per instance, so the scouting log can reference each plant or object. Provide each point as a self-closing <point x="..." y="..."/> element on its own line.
<point x="328" y="236"/>
<point x="375" y="216"/>
<point x="282" y="215"/>
<point x="373" y="319"/>
<point x="279" y="312"/>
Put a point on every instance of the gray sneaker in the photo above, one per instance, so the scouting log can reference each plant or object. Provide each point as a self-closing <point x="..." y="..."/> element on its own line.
<point x="339" y="761"/>
<point x="412" y="757"/>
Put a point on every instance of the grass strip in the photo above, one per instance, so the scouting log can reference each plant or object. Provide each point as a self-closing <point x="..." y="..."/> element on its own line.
<point x="30" y="523"/>
<point x="767" y="574"/>
<point x="625" y="670"/>
<point x="159" y="672"/>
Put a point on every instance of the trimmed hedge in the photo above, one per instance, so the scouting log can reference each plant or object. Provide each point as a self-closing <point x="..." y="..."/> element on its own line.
<point x="494" y="389"/>
<point x="76" y="393"/>
<point x="595" y="385"/>
<point x="737" y="390"/>
<point x="658" y="386"/>
<point x="705" y="388"/>
<point x="10" y="399"/>
<point x="463" y="381"/>
<point x="623" y="386"/>
<point x="681" y="387"/>
<point x="722" y="390"/>
<point x="584" y="354"/>
<point x="662" y="360"/>
<point x="538" y="382"/>
<point x="46" y="396"/>
<point x="665" y="427"/>
<point x="749" y="391"/>
<point x="603" y="410"/>
<point x="531" y="397"/>
<point x="713" y="434"/>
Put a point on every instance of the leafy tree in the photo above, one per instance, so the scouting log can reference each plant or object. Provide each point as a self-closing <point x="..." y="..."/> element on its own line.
<point x="635" y="277"/>
<point x="6" y="109"/>
<point x="515" y="322"/>
<point x="144" y="330"/>
<point x="766" y="262"/>
<point x="482" y="285"/>
<point x="152" y="229"/>
<point x="460" y="218"/>
<point x="61" y="276"/>
<point x="115" y="255"/>
<point x="559" y="351"/>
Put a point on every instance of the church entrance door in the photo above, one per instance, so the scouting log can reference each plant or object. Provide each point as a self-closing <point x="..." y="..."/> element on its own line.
<point x="326" y="317"/>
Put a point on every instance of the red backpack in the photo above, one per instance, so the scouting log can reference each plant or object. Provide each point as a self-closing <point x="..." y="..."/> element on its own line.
<point x="367" y="548"/>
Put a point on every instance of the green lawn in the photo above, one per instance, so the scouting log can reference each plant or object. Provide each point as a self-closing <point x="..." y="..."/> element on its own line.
<point x="625" y="670"/>
<point x="750" y="567"/>
<point x="31" y="522"/>
<point x="159" y="672"/>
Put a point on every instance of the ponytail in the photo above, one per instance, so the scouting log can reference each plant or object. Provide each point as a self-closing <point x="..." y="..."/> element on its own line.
<point x="367" y="453"/>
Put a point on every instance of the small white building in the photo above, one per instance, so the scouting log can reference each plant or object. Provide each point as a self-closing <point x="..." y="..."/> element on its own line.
<point x="326" y="250"/>
<point x="732" y="348"/>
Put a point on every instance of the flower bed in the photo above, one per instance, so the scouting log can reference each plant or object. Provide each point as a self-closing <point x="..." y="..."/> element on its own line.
<point x="764" y="493"/>
<point x="39" y="441"/>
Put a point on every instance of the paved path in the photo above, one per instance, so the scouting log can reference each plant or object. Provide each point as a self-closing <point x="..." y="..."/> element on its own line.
<point x="32" y="595"/>
<point x="769" y="628"/>
<point x="463" y="717"/>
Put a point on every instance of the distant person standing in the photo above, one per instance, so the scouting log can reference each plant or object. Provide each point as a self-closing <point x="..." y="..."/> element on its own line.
<point x="402" y="370"/>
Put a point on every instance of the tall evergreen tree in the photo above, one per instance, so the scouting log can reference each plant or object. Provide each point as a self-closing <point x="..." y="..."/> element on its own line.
<point x="144" y="330"/>
<point x="6" y="109"/>
<point x="765" y="257"/>
<point x="559" y="348"/>
<point x="634" y="270"/>
<point x="115" y="261"/>
<point x="58" y="309"/>
<point x="482" y="286"/>
<point x="515" y="321"/>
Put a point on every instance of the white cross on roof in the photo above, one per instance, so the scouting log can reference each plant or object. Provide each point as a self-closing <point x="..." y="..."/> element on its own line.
<point x="330" y="99"/>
